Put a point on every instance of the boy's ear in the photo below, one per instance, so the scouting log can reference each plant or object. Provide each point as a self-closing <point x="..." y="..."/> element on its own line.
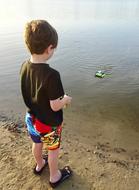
<point x="49" y="49"/>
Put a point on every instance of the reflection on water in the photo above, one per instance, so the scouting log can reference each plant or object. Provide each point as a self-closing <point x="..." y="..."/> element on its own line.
<point x="93" y="35"/>
<point x="71" y="10"/>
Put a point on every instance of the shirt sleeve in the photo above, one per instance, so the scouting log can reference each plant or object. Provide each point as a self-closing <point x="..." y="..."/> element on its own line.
<point x="55" y="87"/>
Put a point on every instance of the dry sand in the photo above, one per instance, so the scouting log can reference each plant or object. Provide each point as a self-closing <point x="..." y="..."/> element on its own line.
<point x="96" y="165"/>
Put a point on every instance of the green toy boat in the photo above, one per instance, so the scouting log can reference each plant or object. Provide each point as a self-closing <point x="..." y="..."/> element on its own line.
<point x="100" y="74"/>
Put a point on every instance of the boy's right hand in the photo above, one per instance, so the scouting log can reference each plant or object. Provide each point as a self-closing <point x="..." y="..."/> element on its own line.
<point x="67" y="99"/>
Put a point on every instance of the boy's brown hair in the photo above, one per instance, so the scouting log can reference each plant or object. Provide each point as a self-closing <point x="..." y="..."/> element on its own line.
<point x="39" y="34"/>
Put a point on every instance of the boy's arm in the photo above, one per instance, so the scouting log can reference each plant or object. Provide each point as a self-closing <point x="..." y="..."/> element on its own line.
<point x="60" y="103"/>
<point x="56" y="91"/>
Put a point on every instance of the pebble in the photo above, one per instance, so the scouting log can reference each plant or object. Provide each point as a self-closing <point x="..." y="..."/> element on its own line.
<point x="103" y="175"/>
<point x="66" y="153"/>
<point x="60" y="156"/>
<point x="86" y="168"/>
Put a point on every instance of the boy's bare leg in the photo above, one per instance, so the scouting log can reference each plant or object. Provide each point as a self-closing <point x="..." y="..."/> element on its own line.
<point x="37" y="152"/>
<point x="55" y="173"/>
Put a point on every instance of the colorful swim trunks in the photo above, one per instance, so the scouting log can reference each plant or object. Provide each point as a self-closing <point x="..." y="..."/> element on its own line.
<point x="39" y="132"/>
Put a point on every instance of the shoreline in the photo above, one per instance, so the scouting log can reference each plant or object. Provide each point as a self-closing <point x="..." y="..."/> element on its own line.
<point x="96" y="166"/>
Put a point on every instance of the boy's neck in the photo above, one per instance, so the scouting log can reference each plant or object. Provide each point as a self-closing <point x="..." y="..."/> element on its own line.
<point x="35" y="58"/>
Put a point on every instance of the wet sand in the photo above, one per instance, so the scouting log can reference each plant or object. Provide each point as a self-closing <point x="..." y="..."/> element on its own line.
<point x="97" y="163"/>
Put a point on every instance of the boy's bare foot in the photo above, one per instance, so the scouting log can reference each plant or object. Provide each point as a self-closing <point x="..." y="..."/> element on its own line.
<point x="66" y="172"/>
<point x="56" y="177"/>
<point x="38" y="170"/>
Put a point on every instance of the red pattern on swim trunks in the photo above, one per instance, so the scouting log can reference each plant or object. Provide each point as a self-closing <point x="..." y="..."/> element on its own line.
<point x="41" y="127"/>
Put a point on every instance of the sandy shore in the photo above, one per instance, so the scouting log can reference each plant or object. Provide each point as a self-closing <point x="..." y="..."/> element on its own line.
<point x="96" y="166"/>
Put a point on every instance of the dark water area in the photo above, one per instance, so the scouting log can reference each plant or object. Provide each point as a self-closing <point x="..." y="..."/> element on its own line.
<point x="93" y="35"/>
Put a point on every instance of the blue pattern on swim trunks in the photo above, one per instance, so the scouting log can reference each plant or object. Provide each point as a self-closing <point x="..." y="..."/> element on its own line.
<point x="30" y="127"/>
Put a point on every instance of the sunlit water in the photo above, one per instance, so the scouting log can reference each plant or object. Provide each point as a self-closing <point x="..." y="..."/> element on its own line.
<point x="93" y="35"/>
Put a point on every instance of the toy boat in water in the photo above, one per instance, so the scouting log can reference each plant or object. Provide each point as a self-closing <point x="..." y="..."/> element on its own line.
<point x="100" y="74"/>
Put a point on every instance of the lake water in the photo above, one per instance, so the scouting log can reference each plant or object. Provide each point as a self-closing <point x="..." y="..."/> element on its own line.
<point x="93" y="35"/>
